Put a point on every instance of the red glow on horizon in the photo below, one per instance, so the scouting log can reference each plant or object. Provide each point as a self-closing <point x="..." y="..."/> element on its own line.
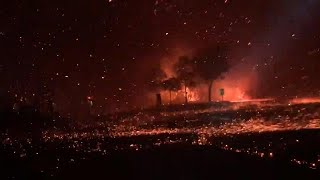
<point x="306" y="100"/>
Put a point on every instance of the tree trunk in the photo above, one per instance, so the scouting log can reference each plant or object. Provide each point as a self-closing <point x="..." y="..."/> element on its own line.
<point x="170" y="97"/>
<point x="158" y="100"/>
<point x="209" y="91"/>
<point x="185" y="94"/>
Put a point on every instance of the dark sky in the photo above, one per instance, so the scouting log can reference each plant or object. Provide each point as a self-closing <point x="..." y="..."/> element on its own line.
<point x="107" y="48"/>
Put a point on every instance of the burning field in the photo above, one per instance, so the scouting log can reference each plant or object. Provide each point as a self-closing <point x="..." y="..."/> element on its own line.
<point x="260" y="130"/>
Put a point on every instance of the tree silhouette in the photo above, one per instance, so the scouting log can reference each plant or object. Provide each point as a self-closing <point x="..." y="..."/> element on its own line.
<point x="186" y="73"/>
<point x="171" y="84"/>
<point x="153" y="82"/>
<point x="211" y="64"/>
<point x="154" y="78"/>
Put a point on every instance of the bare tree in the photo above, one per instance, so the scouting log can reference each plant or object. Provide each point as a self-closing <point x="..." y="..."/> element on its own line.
<point x="186" y="74"/>
<point x="211" y="64"/>
<point x="154" y="82"/>
<point x="154" y="78"/>
<point x="171" y="84"/>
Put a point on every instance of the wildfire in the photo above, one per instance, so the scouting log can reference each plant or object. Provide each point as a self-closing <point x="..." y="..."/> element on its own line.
<point x="179" y="96"/>
<point x="305" y="100"/>
<point x="235" y="94"/>
<point x="236" y="83"/>
<point x="193" y="95"/>
<point x="200" y="94"/>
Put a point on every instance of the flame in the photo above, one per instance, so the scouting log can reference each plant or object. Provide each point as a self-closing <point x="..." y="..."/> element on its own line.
<point x="200" y="94"/>
<point x="305" y="100"/>
<point x="193" y="95"/>
<point x="179" y="96"/>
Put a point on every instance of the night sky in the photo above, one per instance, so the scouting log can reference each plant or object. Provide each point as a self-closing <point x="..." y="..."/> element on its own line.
<point x="107" y="49"/>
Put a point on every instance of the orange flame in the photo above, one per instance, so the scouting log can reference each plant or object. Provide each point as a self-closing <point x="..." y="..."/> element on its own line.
<point x="305" y="100"/>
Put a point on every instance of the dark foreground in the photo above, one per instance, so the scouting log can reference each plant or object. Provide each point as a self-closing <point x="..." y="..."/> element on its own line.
<point x="255" y="142"/>
<point x="165" y="157"/>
